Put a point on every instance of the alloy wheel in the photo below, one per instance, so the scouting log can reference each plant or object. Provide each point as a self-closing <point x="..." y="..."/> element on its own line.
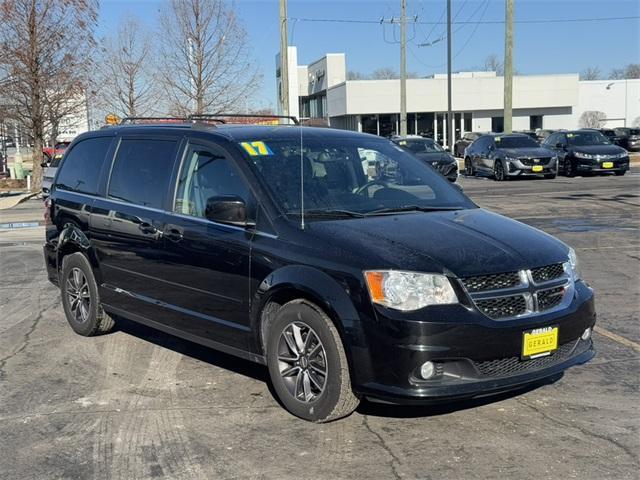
<point x="302" y="362"/>
<point x="499" y="171"/>
<point x="78" y="295"/>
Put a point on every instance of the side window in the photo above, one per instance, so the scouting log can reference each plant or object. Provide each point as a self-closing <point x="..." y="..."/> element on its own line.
<point x="561" y="138"/>
<point x="142" y="170"/>
<point x="81" y="168"/>
<point x="207" y="173"/>
<point x="551" y="140"/>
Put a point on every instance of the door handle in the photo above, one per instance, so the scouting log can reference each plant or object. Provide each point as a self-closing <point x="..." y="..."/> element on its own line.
<point x="174" y="234"/>
<point x="146" y="227"/>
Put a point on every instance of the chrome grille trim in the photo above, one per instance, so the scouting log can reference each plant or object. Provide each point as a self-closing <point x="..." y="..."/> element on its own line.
<point x="539" y="296"/>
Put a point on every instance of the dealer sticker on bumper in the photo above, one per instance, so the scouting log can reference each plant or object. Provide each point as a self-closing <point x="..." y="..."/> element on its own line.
<point x="539" y="342"/>
<point x="536" y="168"/>
<point x="607" y="164"/>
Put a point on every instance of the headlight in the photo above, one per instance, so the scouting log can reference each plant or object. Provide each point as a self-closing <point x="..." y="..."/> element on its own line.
<point x="571" y="266"/>
<point x="409" y="290"/>
<point x="510" y="159"/>
<point x="584" y="155"/>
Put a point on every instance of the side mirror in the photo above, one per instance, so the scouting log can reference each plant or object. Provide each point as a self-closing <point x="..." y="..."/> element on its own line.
<point x="492" y="148"/>
<point x="229" y="209"/>
<point x="560" y="145"/>
<point x="44" y="164"/>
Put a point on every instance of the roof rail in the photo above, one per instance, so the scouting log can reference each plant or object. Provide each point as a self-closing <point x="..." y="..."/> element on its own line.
<point x="133" y="120"/>
<point x="214" y="116"/>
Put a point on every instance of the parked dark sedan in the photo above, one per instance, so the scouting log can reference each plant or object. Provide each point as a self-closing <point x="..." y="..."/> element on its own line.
<point x="628" y="138"/>
<point x="427" y="150"/>
<point x="464" y="142"/>
<point x="587" y="151"/>
<point x="503" y="156"/>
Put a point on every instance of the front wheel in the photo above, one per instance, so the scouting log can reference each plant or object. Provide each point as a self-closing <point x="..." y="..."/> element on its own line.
<point x="620" y="173"/>
<point x="569" y="168"/>
<point x="468" y="167"/>
<point x="498" y="171"/>
<point x="550" y="176"/>
<point x="307" y="363"/>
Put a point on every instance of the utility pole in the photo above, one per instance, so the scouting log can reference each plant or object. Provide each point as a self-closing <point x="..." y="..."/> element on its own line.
<point x="508" y="67"/>
<point x="284" y="58"/>
<point x="403" y="67"/>
<point x="450" y="119"/>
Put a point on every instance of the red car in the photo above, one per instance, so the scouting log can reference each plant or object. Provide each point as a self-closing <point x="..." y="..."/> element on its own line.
<point x="56" y="151"/>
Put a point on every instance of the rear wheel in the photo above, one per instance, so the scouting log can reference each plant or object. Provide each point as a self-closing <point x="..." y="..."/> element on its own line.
<point x="307" y="363"/>
<point x="498" y="171"/>
<point x="80" y="299"/>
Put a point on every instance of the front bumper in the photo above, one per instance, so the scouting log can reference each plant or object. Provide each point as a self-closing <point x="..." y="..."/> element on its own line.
<point x="448" y="170"/>
<point x="476" y="356"/>
<point x="516" y="168"/>
<point x="597" y="166"/>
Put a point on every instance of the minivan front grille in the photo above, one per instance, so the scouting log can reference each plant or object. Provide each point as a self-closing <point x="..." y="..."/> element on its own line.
<point x="495" y="281"/>
<point x="503" y="307"/>
<point x="503" y="367"/>
<point x="550" y="272"/>
<point x="502" y="296"/>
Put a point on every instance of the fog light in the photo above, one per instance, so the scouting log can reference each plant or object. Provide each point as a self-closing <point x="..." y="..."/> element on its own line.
<point x="586" y="334"/>
<point x="427" y="370"/>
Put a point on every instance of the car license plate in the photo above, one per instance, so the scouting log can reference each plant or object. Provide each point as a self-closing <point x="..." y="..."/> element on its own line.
<point x="607" y="164"/>
<point x="539" y="342"/>
<point x="536" y="168"/>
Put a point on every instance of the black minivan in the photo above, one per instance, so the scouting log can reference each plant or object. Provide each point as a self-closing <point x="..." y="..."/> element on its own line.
<point x="291" y="247"/>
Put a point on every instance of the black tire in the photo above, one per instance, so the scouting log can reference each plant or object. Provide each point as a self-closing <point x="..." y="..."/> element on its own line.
<point x="85" y="315"/>
<point x="550" y="176"/>
<point x="498" y="172"/>
<point x="569" y="168"/>
<point x="620" y="173"/>
<point x="335" y="399"/>
<point x="468" y="168"/>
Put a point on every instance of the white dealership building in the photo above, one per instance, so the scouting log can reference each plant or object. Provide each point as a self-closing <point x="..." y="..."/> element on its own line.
<point x="321" y="92"/>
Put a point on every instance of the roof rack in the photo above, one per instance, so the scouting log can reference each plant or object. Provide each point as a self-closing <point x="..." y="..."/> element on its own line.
<point x="135" y="120"/>
<point x="215" y="116"/>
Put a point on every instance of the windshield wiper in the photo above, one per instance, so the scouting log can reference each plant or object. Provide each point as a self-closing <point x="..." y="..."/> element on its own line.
<point x="329" y="213"/>
<point x="411" y="208"/>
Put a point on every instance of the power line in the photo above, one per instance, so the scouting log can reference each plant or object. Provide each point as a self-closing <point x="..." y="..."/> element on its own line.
<point x="467" y="22"/>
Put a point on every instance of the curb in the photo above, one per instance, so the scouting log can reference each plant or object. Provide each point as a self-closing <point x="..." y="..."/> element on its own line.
<point x="10" y="202"/>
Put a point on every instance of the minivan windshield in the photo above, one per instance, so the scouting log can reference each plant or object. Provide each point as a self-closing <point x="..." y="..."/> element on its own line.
<point x="348" y="176"/>
<point x="523" y="141"/>
<point x="587" y="138"/>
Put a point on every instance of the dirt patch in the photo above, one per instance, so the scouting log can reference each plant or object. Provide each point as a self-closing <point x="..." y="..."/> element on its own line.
<point x="7" y="184"/>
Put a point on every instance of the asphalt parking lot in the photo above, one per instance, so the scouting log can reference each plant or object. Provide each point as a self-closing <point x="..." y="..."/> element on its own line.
<point x="140" y="404"/>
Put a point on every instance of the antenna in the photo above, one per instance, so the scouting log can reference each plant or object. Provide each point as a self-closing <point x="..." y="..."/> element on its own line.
<point x="301" y="183"/>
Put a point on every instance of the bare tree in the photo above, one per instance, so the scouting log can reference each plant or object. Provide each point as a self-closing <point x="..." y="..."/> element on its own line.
<point x="354" y="75"/>
<point x="125" y="83"/>
<point x="631" y="71"/>
<point x="43" y="40"/>
<point x="206" y="61"/>
<point x="592" y="119"/>
<point x="590" y="73"/>
<point x="493" y="64"/>
<point x="384" y="73"/>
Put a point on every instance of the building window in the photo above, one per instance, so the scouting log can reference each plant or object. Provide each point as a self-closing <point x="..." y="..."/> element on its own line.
<point x="497" y="124"/>
<point x="467" y="122"/>
<point x="388" y="125"/>
<point x="535" y="122"/>
<point x="370" y="124"/>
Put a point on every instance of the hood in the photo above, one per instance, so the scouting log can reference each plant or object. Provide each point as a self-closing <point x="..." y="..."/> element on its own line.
<point x="464" y="242"/>
<point x="598" y="149"/>
<point x="531" y="152"/>
<point x="435" y="157"/>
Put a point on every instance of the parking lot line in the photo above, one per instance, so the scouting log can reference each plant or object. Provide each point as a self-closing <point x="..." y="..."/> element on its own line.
<point x="617" y="338"/>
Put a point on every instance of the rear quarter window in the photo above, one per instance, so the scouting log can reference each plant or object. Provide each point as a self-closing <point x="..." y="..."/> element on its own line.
<point x="142" y="171"/>
<point x="80" y="169"/>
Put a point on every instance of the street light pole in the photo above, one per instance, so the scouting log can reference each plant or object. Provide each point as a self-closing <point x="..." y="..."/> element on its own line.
<point x="508" y="66"/>
<point x="284" y="58"/>
<point x="403" y="68"/>
<point x="450" y="119"/>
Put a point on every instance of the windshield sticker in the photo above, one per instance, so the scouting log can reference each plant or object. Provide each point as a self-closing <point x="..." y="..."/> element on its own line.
<point x="256" y="149"/>
<point x="570" y="135"/>
<point x="403" y="142"/>
<point x="498" y="139"/>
